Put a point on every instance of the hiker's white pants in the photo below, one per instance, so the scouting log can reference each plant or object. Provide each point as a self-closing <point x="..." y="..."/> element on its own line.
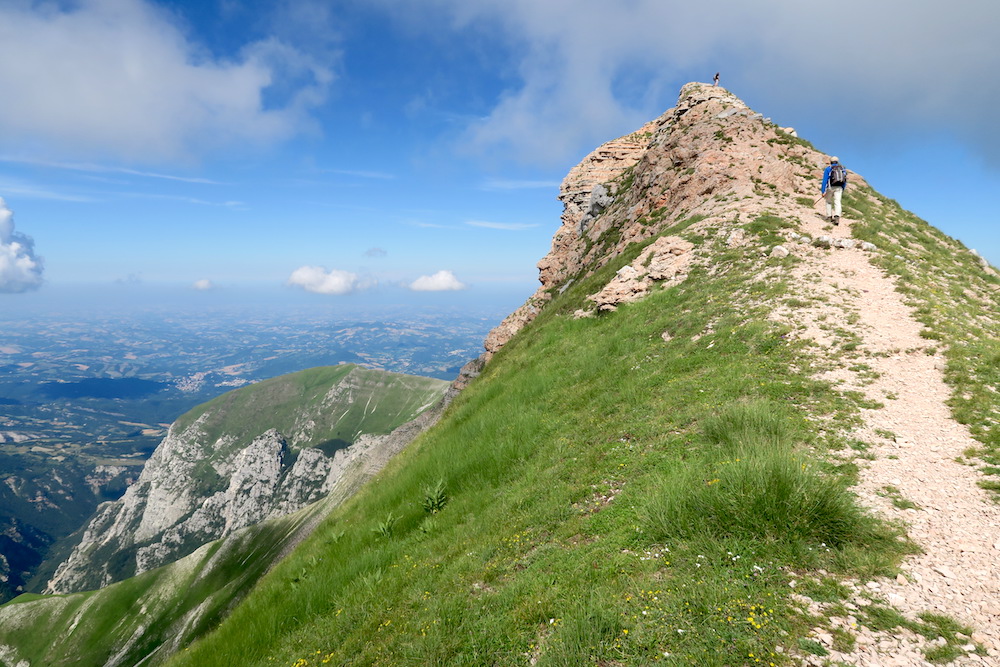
<point x="833" y="195"/>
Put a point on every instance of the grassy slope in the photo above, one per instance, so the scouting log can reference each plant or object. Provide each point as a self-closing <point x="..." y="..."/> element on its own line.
<point x="183" y="600"/>
<point x="612" y="496"/>
<point x="140" y="617"/>
<point x="281" y="402"/>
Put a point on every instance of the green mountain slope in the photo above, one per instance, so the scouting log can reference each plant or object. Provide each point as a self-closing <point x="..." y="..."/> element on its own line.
<point x="649" y="485"/>
<point x="664" y="481"/>
<point x="611" y="497"/>
<point x="256" y="452"/>
<point x="145" y="618"/>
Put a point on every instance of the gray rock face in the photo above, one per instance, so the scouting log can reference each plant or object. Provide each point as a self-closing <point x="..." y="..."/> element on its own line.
<point x="198" y="487"/>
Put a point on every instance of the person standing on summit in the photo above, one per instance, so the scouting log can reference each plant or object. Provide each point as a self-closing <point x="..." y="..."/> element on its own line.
<point x="834" y="184"/>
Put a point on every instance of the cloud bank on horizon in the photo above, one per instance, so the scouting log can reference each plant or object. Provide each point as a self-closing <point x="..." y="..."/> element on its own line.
<point x="203" y="285"/>
<point x="20" y="269"/>
<point x="318" y="280"/>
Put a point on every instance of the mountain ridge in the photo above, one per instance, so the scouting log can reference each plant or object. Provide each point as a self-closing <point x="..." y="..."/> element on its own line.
<point x="260" y="451"/>
<point x="657" y="463"/>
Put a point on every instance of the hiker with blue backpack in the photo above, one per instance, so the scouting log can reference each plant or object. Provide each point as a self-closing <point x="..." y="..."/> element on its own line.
<point x="834" y="184"/>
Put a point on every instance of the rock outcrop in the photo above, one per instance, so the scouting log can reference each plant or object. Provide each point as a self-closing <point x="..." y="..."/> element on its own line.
<point x="233" y="466"/>
<point x="709" y="165"/>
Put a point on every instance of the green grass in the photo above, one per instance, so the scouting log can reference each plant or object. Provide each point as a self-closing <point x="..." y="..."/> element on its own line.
<point x="897" y="498"/>
<point x="138" y="617"/>
<point x="767" y="227"/>
<point x="280" y="402"/>
<point x="569" y="466"/>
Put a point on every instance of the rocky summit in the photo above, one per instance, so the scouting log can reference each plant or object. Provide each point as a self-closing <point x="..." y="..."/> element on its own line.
<point x="723" y="431"/>
<point x="711" y="161"/>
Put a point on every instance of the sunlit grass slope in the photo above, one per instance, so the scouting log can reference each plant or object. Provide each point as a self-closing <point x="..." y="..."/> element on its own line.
<point x="362" y="400"/>
<point x="143" y="619"/>
<point x="632" y="488"/>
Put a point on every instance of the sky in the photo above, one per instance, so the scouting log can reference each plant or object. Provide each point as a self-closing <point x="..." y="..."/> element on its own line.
<point x="341" y="149"/>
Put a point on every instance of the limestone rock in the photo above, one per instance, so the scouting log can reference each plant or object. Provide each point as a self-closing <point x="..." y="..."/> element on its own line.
<point x="199" y="486"/>
<point x="675" y="167"/>
<point x="737" y="237"/>
<point x="666" y="259"/>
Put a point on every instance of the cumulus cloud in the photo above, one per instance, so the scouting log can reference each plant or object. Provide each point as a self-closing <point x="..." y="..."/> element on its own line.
<point x="204" y="285"/>
<point x="585" y="73"/>
<point x="121" y="78"/>
<point x="441" y="281"/>
<point x="320" y="281"/>
<point x="20" y="269"/>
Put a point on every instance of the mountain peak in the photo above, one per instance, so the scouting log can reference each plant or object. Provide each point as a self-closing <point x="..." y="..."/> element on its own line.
<point x="710" y="162"/>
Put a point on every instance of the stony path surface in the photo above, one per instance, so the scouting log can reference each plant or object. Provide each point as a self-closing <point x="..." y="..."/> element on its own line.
<point x="915" y="443"/>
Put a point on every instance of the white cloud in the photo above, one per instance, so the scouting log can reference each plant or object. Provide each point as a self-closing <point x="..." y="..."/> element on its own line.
<point x="20" y="269"/>
<point x="439" y="282"/>
<point x="586" y="72"/>
<point x="376" y="252"/>
<point x="509" y="226"/>
<point x="204" y="285"/>
<point x="320" y="281"/>
<point x="121" y="79"/>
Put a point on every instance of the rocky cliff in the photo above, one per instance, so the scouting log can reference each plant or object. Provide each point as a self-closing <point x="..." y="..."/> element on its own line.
<point x="258" y="452"/>
<point x="710" y="162"/>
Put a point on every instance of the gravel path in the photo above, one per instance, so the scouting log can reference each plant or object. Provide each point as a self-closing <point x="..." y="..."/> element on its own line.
<point x="915" y="443"/>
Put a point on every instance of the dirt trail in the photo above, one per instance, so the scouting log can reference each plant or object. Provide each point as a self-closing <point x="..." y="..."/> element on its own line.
<point x="915" y="443"/>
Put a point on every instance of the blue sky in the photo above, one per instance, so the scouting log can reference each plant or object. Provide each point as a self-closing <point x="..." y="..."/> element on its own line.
<point x="355" y="147"/>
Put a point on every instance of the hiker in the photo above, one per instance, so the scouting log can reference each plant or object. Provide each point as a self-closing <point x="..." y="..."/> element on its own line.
<point x="834" y="184"/>
<point x="715" y="81"/>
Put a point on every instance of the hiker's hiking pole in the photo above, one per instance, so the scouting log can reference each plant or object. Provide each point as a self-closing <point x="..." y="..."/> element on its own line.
<point x="820" y="199"/>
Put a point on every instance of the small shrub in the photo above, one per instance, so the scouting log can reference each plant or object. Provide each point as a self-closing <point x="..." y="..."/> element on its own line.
<point x="435" y="498"/>
<point x="385" y="528"/>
